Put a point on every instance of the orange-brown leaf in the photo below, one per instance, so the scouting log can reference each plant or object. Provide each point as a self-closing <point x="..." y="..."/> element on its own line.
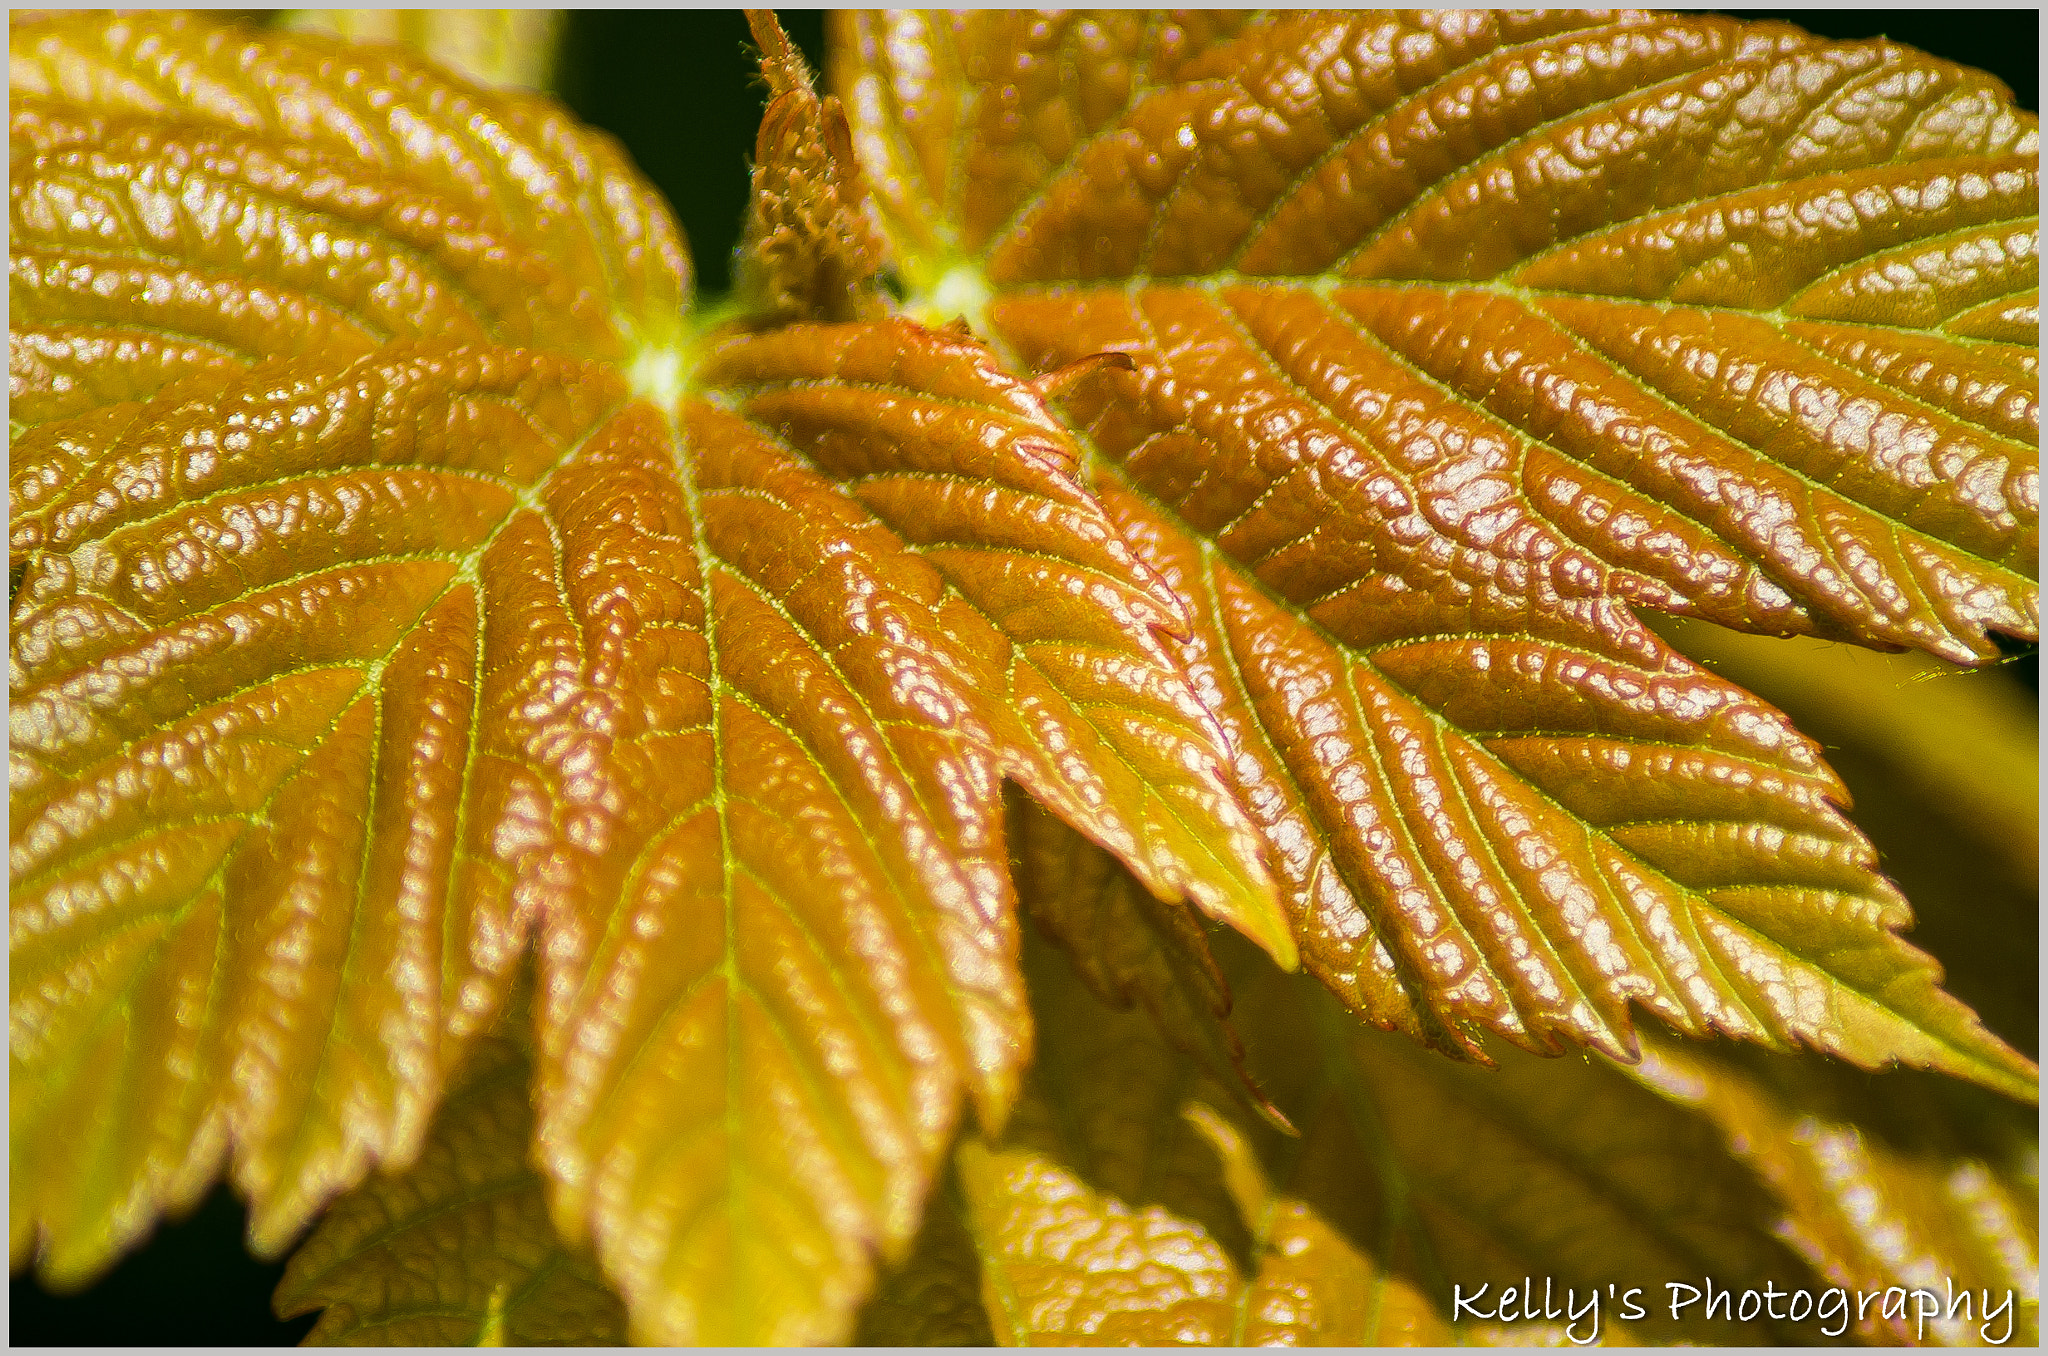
<point x="402" y="585"/>
<point x="398" y="589"/>
<point x="1089" y="706"/>
<point x="1459" y="336"/>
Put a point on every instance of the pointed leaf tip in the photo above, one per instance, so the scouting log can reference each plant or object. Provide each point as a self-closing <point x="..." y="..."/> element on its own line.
<point x="1421" y="422"/>
<point x="1062" y="379"/>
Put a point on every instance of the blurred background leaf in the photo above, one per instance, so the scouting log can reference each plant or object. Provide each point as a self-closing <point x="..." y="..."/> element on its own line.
<point x="492" y="46"/>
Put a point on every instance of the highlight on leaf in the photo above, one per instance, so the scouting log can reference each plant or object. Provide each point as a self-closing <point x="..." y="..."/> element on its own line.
<point x="489" y="46"/>
<point x="784" y="821"/>
<point x="1944" y="768"/>
<point x="1516" y="324"/>
<point x="428" y="631"/>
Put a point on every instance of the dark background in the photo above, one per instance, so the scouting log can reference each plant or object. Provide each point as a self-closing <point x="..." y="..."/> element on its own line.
<point x="678" y="88"/>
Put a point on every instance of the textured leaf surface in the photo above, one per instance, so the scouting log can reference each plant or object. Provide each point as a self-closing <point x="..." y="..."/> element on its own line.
<point x="1069" y="1265"/>
<point x="1100" y="1217"/>
<point x="934" y="1298"/>
<point x="1945" y="770"/>
<point x="400" y="587"/>
<point x="1904" y="1181"/>
<point x="1456" y="337"/>
<point x="1413" y="1174"/>
<point x="1311" y="1288"/>
<point x="253" y="882"/>
<point x="1459" y="1175"/>
<point x="1089" y="709"/>
<point x="458" y="1250"/>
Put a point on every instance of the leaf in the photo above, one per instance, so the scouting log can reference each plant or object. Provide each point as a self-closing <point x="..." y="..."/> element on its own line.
<point x="1963" y="745"/>
<point x="200" y="654"/>
<point x="1464" y="1176"/>
<point x="934" y="1298"/>
<point x="1097" y="720"/>
<point x="1885" y="1199"/>
<point x="1457" y="338"/>
<point x="1944" y="768"/>
<point x="466" y="216"/>
<point x="1904" y="1181"/>
<point x="1312" y="1287"/>
<point x="1419" y="1174"/>
<point x="458" y="1250"/>
<point x="1126" y="1203"/>
<point x="489" y="46"/>
<point x="401" y="585"/>
<point x="1127" y="947"/>
<point x="1099" y="1217"/>
<point x="1070" y="1266"/>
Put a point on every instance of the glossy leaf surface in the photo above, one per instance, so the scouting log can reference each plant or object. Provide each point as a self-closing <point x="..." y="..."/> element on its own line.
<point x="1100" y="1218"/>
<point x="1458" y="336"/>
<point x="1945" y="770"/>
<point x="408" y="588"/>
<point x="1901" y="1181"/>
<point x="273" y="440"/>
<point x="397" y="589"/>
